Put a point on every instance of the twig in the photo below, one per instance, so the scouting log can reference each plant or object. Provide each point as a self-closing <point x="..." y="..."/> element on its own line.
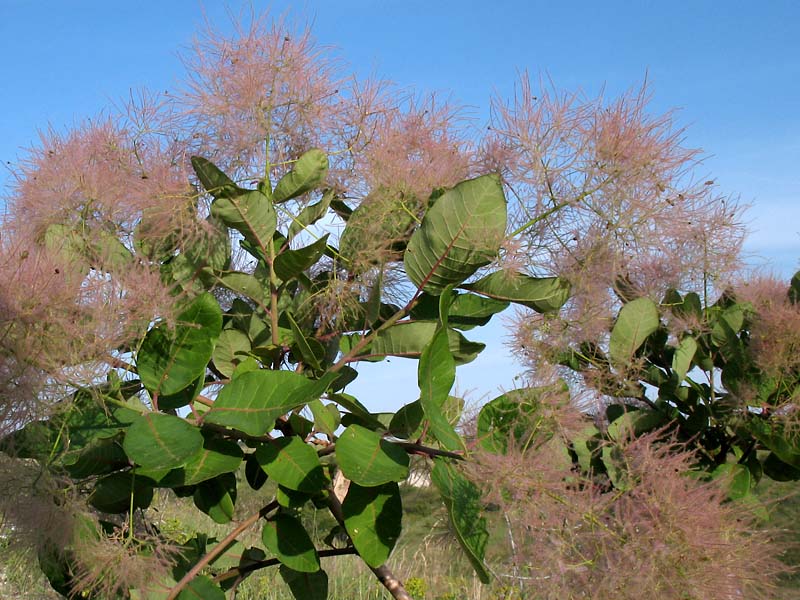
<point x="410" y="447"/>
<point x="413" y="448"/>
<point x="220" y="548"/>
<point x="270" y="562"/>
<point x="383" y="573"/>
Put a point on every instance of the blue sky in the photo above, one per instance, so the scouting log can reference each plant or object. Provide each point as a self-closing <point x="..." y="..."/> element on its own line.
<point x="732" y="68"/>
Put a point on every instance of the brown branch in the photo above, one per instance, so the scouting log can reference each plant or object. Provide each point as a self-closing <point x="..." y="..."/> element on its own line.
<point x="410" y="447"/>
<point x="413" y="448"/>
<point x="235" y="433"/>
<point x="383" y="573"/>
<point x="220" y="548"/>
<point x="271" y="562"/>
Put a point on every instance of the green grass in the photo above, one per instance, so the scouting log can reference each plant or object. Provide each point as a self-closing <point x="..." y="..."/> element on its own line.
<point x="426" y="556"/>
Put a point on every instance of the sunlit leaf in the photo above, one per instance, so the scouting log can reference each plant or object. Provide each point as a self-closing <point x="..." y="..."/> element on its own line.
<point x="544" y="294"/>
<point x="637" y="320"/>
<point x="307" y="173"/>
<point x="369" y="460"/>
<point x="459" y="234"/>
<point x="171" y="359"/>
<point x="159" y="441"/>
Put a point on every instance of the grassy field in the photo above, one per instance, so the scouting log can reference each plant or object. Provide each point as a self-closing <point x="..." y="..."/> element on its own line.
<point x="426" y="558"/>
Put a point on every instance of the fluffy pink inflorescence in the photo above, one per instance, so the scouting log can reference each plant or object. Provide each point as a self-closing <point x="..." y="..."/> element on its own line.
<point x="269" y="93"/>
<point x="664" y="534"/>
<point x="73" y="289"/>
<point x="603" y="190"/>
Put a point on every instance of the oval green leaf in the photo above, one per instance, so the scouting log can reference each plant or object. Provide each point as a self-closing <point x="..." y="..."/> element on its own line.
<point x="158" y="441"/>
<point x="170" y="360"/>
<point x="288" y="540"/>
<point x="217" y="497"/>
<point x="542" y="294"/>
<point x="306" y="586"/>
<point x="459" y="234"/>
<point x="369" y="460"/>
<point x="373" y="519"/>
<point x="308" y="172"/>
<point x="252" y="401"/>
<point x="636" y="320"/>
<point x="292" y="463"/>
<point x="463" y="501"/>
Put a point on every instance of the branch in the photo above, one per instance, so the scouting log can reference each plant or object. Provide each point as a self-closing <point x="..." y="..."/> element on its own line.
<point x="271" y="562"/>
<point x="383" y="573"/>
<point x="413" y="448"/>
<point x="220" y="548"/>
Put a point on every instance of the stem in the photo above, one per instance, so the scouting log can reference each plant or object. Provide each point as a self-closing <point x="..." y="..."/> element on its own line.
<point x="410" y="447"/>
<point x="220" y="548"/>
<point x="273" y="298"/>
<point x="413" y="448"/>
<point x="383" y="573"/>
<point x="270" y="562"/>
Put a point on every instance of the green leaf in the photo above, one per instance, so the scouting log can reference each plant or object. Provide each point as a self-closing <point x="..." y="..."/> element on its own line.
<point x="508" y="418"/>
<point x="66" y="243"/>
<point x="373" y="519"/>
<point x="616" y="468"/>
<point x="202" y="588"/>
<point x="213" y="251"/>
<point x="250" y="213"/>
<point x="542" y="294"/>
<point x="98" y="458"/>
<point x="213" y="179"/>
<point x="636" y="320"/>
<point x="289" y="498"/>
<point x="217" y="497"/>
<point x="682" y="359"/>
<point x="326" y="417"/>
<point x="368" y="460"/>
<point x="252" y="401"/>
<point x="255" y="475"/>
<point x="633" y="423"/>
<point x="169" y="361"/>
<point x="459" y="234"/>
<point x="159" y="441"/>
<point x="584" y="444"/>
<point x="773" y="436"/>
<point x="112" y="494"/>
<point x="436" y="375"/>
<point x="466" y="311"/>
<point x="306" y="586"/>
<point x="113" y="254"/>
<point x="310" y="214"/>
<point x="776" y="469"/>
<point x="302" y="344"/>
<point x="463" y="501"/>
<point x="290" y="263"/>
<point x="737" y="477"/>
<point x="244" y="284"/>
<point x="794" y="289"/>
<point x="378" y="228"/>
<point x="231" y="349"/>
<point x="217" y="456"/>
<point x="406" y="422"/>
<point x="293" y="464"/>
<point x="357" y="409"/>
<point x="408" y="340"/>
<point x="308" y="173"/>
<point x="286" y="538"/>
<point x="182" y="398"/>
